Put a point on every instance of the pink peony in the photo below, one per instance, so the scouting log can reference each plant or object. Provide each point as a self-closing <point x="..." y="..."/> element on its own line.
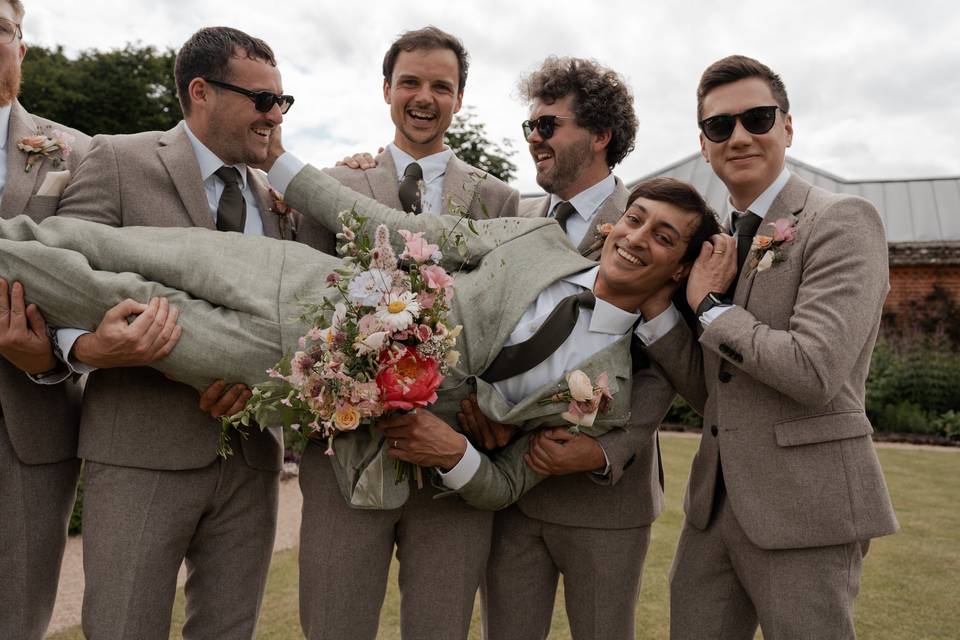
<point x="783" y="230"/>
<point x="417" y="249"/>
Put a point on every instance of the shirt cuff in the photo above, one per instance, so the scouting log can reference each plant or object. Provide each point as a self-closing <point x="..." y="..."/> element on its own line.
<point x="284" y="170"/>
<point x="649" y="331"/>
<point x="55" y="376"/>
<point x="65" y="340"/>
<point x="712" y="314"/>
<point x="463" y="473"/>
<point x="606" y="460"/>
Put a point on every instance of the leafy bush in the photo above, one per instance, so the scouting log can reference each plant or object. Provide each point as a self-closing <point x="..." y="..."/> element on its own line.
<point x="76" y="517"/>
<point x="682" y="413"/>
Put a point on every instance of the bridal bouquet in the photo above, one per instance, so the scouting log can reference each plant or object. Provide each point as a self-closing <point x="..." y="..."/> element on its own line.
<point x="383" y="344"/>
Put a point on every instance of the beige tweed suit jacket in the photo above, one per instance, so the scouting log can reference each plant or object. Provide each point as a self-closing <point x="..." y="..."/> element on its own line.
<point x="466" y="189"/>
<point x="41" y="420"/>
<point x="780" y="377"/>
<point x="635" y="498"/>
<point x="136" y="417"/>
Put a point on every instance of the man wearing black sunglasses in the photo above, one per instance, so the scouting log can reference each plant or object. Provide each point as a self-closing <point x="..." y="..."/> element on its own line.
<point x="156" y="493"/>
<point x="38" y="424"/>
<point x="786" y="490"/>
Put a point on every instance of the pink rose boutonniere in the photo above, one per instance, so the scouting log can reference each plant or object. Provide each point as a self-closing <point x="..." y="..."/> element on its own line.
<point x="55" y="145"/>
<point x="768" y="250"/>
<point x="600" y="236"/>
<point x="586" y="399"/>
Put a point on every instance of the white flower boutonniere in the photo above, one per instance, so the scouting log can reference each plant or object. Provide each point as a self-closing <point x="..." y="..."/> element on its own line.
<point x="586" y="400"/>
<point x="54" y="145"/>
<point x="768" y="250"/>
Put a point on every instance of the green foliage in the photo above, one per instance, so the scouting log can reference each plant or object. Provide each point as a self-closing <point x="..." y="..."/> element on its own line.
<point x="121" y="91"/>
<point x="682" y="413"/>
<point x="948" y="424"/>
<point x="76" y="516"/>
<point x="467" y="136"/>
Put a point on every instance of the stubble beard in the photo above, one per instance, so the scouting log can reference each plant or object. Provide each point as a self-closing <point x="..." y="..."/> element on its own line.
<point x="567" y="167"/>
<point x="10" y="85"/>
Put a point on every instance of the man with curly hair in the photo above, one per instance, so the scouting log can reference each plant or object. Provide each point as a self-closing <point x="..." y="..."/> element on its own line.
<point x="591" y="522"/>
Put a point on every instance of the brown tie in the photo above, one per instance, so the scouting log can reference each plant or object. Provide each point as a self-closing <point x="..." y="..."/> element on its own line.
<point x="523" y="356"/>
<point x="232" y="209"/>
<point x="562" y="213"/>
<point x="745" y="225"/>
<point x="410" y="188"/>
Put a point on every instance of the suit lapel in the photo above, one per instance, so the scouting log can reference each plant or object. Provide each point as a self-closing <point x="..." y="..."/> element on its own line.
<point x="261" y="192"/>
<point x="176" y="154"/>
<point x="20" y="185"/>
<point x="788" y="203"/>
<point x="384" y="186"/>
<point x="609" y="212"/>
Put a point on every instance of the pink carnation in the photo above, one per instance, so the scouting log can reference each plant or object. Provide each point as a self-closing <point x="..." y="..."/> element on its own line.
<point x="783" y="230"/>
<point x="437" y="278"/>
<point x="417" y="249"/>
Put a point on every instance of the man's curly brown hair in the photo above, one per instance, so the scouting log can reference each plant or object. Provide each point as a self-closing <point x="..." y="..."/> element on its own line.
<point x="602" y="101"/>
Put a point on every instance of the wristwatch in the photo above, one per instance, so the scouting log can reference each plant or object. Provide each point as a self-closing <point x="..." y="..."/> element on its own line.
<point x="711" y="300"/>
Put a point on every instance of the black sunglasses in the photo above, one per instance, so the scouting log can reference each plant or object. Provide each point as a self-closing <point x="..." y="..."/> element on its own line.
<point x="263" y="101"/>
<point x="757" y="120"/>
<point x="546" y="125"/>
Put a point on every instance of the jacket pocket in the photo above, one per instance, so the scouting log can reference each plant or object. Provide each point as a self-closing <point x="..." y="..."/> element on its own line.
<point x="40" y="208"/>
<point x="823" y="427"/>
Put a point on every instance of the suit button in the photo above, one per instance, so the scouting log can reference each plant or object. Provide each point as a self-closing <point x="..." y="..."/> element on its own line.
<point x="714" y="431"/>
<point x="725" y="376"/>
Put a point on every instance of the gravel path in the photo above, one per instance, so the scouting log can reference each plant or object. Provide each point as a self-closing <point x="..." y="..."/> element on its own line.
<point x="66" y="612"/>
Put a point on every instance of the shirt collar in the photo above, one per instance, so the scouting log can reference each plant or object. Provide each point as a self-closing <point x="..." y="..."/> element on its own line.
<point x="606" y="317"/>
<point x="433" y="166"/>
<point x="208" y="160"/>
<point x="764" y="201"/>
<point x="5" y="124"/>
<point x="589" y="200"/>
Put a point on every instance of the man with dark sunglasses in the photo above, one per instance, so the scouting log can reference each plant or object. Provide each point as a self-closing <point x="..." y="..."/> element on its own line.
<point x="38" y="424"/>
<point x="156" y="492"/>
<point x="786" y="490"/>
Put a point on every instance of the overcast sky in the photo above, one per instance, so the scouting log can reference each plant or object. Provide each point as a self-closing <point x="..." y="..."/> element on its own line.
<point x="874" y="84"/>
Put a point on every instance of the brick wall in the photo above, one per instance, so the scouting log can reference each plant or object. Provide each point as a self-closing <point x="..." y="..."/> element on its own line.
<point x="910" y="283"/>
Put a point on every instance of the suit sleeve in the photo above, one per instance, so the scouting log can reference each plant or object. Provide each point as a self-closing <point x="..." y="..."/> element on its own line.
<point x="94" y="190"/>
<point x="501" y="479"/>
<point x="843" y="284"/>
<point x="680" y="357"/>
<point x="507" y="200"/>
<point x="651" y="397"/>
<point x="322" y="198"/>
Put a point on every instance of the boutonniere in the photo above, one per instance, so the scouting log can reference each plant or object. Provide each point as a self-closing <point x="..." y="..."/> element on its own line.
<point x="284" y="213"/>
<point x="600" y="236"/>
<point x="768" y="250"/>
<point x="54" y="145"/>
<point x="586" y="399"/>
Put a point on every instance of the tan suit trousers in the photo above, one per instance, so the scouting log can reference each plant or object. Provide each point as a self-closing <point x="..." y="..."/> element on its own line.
<point x="722" y="585"/>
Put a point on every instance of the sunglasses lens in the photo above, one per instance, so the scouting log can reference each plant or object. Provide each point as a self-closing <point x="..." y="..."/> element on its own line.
<point x="759" y="119"/>
<point x="528" y="127"/>
<point x="546" y="126"/>
<point x="264" y="101"/>
<point x="718" y="128"/>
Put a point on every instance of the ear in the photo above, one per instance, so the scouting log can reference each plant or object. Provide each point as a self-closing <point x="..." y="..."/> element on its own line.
<point x="703" y="149"/>
<point x="386" y="91"/>
<point x="459" y="103"/>
<point x="788" y="127"/>
<point x="602" y="139"/>
<point x="21" y="51"/>
<point x="682" y="272"/>
<point x="199" y="91"/>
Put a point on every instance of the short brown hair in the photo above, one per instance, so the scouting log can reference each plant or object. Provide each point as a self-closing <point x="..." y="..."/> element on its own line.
<point x="734" y="68"/>
<point x="428" y="38"/>
<point x="17" y="7"/>
<point x="207" y="54"/>
<point x="682" y="195"/>
<point x="601" y="99"/>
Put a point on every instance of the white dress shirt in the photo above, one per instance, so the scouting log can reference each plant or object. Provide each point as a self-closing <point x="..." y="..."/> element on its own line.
<point x="213" y="188"/>
<point x="434" y="168"/>
<point x="587" y="203"/>
<point x="4" y="134"/>
<point x="658" y="327"/>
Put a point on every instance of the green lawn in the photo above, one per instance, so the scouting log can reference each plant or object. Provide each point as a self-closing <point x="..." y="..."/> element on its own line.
<point x="910" y="581"/>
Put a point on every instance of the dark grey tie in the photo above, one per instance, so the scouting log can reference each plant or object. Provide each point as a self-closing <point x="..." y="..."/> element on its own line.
<point x="562" y="213"/>
<point x="232" y="209"/>
<point x="410" y="188"/>
<point x="523" y="356"/>
<point x="745" y="226"/>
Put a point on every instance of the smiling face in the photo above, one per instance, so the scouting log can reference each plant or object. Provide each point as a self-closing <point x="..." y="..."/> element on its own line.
<point x="644" y="251"/>
<point x="227" y="122"/>
<point x="423" y="94"/>
<point x="11" y="55"/>
<point x="747" y="163"/>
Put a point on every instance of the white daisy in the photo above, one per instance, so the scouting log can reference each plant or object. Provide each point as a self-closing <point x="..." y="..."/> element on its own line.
<point x="398" y="311"/>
